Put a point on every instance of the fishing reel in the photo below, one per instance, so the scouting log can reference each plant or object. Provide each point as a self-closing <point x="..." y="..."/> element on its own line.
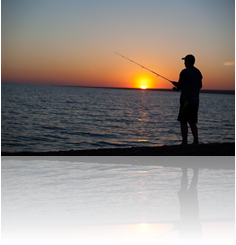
<point x="175" y="89"/>
<point x="176" y="225"/>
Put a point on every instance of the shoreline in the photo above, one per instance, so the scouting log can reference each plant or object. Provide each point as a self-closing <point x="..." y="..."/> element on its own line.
<point x="211" y="156"/>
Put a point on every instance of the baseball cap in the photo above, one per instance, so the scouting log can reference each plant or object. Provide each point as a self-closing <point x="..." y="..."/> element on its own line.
<point x="190" y="58"/>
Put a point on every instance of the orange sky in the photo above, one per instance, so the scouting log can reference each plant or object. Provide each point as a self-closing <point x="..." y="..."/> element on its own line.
<point x="75" y="44"/>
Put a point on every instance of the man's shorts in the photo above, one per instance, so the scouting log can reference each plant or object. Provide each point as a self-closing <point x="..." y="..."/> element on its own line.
<point x="188" y="112"/>
<point x="188" y="199"/>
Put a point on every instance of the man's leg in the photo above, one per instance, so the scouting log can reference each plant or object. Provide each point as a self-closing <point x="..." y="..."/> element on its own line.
<point x="194" y="130"/>
<point x="184" y="132"/>
<point x="194" y="182"/>
<point x="184" y="179"/>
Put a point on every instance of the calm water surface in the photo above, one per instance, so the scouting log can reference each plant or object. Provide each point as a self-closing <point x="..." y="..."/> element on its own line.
<point x="44" y="118"/>
<point x="43" y="193"/>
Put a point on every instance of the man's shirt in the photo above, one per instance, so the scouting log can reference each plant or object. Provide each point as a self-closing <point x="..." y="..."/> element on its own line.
<point x="190" y="83"/>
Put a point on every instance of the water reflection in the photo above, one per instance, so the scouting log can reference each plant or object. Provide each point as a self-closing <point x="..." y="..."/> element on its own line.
<point x="213" y="232"/>
<point x="190" y="228"/>
<point x="43" y="194"/>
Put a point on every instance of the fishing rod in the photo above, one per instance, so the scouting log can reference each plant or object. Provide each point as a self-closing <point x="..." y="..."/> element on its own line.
<point x="162" y="235"/>
<point x="144" y="67"/>
<point x="176" y="227"/>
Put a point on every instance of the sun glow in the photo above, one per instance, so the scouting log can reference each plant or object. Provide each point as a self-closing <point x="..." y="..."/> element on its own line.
<point x="143" y="81"/>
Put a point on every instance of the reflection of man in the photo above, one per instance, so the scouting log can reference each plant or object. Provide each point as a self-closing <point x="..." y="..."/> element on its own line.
<point x="190" y="228"/>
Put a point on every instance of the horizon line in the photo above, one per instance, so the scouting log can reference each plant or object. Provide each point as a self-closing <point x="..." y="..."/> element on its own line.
<point x="216" y="91"/>
<point x="225" y="91"/>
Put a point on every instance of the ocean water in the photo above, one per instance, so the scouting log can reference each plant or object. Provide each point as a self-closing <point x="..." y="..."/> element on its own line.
<point x="45" y="118"/>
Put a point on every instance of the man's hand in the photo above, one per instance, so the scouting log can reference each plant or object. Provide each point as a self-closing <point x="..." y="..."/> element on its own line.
<point x="176" y="227"/>
<point x="175" y="89"/>
<point x="175" y="84"/>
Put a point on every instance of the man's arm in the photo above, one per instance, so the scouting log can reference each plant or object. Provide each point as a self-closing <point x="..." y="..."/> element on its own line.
<point x="179" y="85"/>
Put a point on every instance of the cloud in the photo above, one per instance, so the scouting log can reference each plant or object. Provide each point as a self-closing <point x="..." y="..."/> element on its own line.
<point x="229" y="63"/>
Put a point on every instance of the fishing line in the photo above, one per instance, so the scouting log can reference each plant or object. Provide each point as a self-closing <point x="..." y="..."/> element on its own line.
<point x="161" y="235"/>
<point x="144" y="67"/>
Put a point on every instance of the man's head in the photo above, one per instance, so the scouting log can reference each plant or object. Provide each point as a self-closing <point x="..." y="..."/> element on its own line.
<point x="189" y="60"/>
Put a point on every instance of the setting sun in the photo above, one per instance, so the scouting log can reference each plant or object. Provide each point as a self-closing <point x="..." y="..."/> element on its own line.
<point x="143" y="81"/>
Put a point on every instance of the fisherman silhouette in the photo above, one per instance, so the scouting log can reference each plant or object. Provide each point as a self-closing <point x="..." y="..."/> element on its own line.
<point x="190" y="83"/>
<point x="190" y="228"/>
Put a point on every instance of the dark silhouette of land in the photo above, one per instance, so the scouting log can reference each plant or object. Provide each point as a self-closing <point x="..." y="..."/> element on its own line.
<point x="209" y="91"/>
<point x="211" y="156"/>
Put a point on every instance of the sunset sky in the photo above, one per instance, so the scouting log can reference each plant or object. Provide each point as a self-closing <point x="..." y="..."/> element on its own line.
<point x="73" y="42"/>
